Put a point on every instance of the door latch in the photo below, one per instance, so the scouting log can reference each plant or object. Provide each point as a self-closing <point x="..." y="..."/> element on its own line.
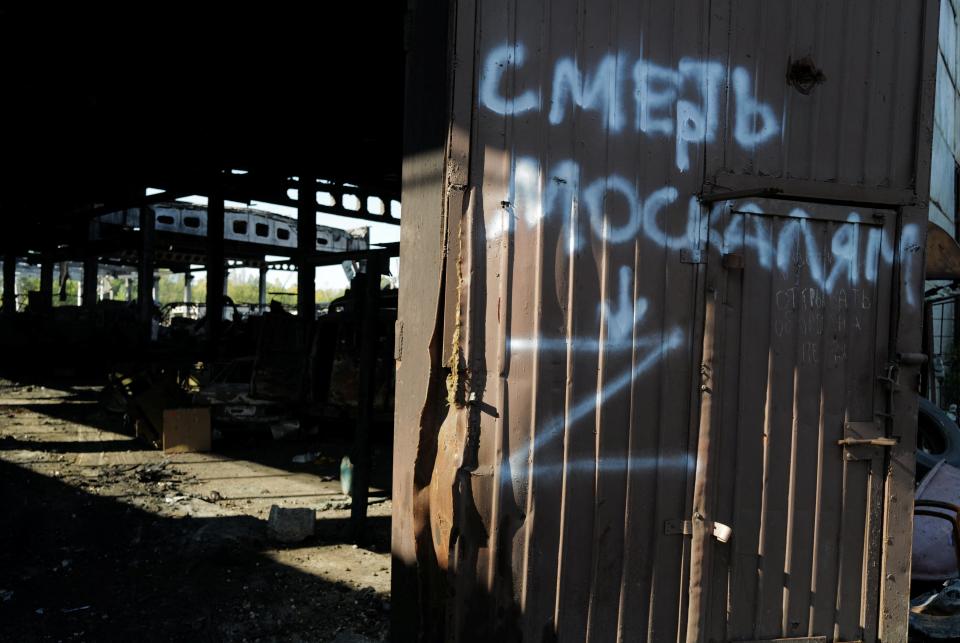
<point x="870" y="442"/>
<point x="864" y="441"/>
<point x="719" y="530"/>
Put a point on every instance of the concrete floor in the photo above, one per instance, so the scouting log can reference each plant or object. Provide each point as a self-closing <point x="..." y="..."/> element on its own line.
<point x="102" y="539"/>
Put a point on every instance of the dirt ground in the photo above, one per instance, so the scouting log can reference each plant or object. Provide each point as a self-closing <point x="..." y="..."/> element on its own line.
<point x="104" y="540"/>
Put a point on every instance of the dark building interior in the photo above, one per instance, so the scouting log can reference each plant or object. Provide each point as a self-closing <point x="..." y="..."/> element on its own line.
<point x="122" y="519"/>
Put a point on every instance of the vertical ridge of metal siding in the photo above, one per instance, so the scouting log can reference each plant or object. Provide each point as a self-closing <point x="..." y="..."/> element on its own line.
<point x="544" y="502"/>
<point x="857" y="126"/>
<point x="588" y="128"/>
<point x="820" y="500"/>
<point x="818" y="35"/>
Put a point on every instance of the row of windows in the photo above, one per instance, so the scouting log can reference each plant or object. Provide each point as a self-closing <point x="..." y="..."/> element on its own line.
<point x="239" y="227"/>
<point x="260" y="230"/>
<point x="188" y="222"/>
<point x="374" y="204"/>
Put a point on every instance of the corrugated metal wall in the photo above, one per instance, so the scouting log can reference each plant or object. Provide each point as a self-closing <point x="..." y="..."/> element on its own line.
<point x="855" y="125"/>
<point x="551" y="497"/>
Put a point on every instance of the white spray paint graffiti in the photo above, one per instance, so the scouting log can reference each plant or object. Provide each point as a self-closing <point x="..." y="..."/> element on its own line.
<point x="599" y="91"/>
<point x="620" y="321"/>
<point x="683" y="104"/>
<point x="848" y="264"/>
<point x="641" y="218"/>
<point x="658" y="345"/>
<point x="500" y="57"/>
<point x="691" y="92"/>
<point x="850" y="261"/>
<point x="611" y="463"/>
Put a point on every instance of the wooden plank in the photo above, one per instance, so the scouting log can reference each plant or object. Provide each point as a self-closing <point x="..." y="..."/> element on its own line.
<point x="709" y="467"/>
<point x="721" y="588"/>
<point x="899" y="473"/>
<point x="883" y="299"/>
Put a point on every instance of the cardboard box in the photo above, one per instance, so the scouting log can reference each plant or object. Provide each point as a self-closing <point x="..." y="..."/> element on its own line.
<point x="186" y="430"/>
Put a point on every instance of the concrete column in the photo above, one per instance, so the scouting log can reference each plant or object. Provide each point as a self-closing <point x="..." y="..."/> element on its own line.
<point x="46" y="280"/>
<point x="369" y="331"/>
<point x="63" y="280"/>
<point x="9" y="284"/>
<point x="91" y="270"/>
<point x="307" y="248"/>
<point x="216" y="270"/>
<point x="187" y="285"/>
<point x="145" y="270"/>
<point x="262" y="289"/>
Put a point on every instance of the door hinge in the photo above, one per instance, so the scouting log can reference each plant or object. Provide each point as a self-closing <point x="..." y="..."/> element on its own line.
<point x="719" y="530"/>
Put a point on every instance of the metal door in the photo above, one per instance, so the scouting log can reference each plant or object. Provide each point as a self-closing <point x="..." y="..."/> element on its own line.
<point x="788" y="499"/>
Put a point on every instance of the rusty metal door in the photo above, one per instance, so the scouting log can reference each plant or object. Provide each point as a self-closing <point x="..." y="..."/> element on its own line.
<point x="788" y="499"/>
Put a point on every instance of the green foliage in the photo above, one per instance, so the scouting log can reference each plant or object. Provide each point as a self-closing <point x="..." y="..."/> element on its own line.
<point x="27" y="283"/>
<point x="118" y="288"/>
<point x="243" y="290"/>
<point x="170" y="288"/>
